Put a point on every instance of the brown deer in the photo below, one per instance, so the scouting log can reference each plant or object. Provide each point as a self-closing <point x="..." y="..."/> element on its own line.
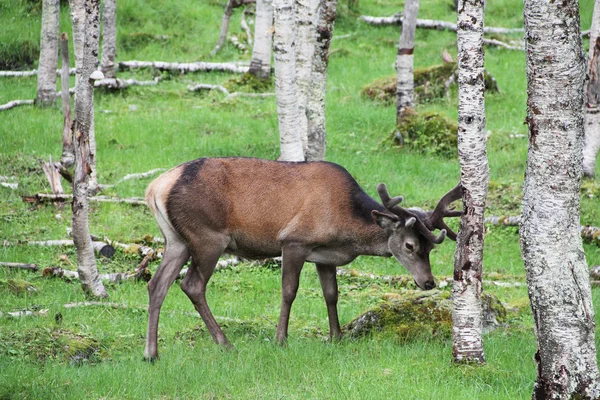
<point x="302" y="211"/>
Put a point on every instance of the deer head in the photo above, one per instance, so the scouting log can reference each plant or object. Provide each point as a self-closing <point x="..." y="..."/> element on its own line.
<point x="411" y="236"/>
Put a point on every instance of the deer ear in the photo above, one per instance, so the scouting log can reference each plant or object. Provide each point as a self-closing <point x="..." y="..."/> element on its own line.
<point x="384" y="220"/>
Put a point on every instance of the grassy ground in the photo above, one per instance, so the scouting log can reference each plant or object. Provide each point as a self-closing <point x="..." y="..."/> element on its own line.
<point x="95" y="352"/>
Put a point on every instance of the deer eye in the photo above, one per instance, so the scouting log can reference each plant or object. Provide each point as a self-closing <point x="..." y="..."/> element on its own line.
<point x="409" y="247"/>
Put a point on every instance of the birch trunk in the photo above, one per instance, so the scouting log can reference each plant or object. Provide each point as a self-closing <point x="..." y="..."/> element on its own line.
<point x="260" y="65"/>
<point x="68" y="157"/>
<point x="592" y="110"/>
<point x="557" y="273"/>
<point x="109" y="38"/>
<point x="78" y="18"/>
<point x="285" y="81"/>
<point x="46" y="89"/>
<point x="84" y="111"/>
<point x="405" y="88"/>
<point x="467" y="324"/>
<point x="315" y="106"/>
<point x="306" y="11"/>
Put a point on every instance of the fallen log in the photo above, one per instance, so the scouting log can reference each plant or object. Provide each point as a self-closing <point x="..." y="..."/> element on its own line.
<point x="117" y="83"/>
<point x="128" y="177"/>
<point x="591" y="233"/>
<point x="396" y="19"/>
<point x="58" y="272"/>
<point x="15" y="103"/>
<point x="30" y="73"/>
<point x="221" y="264"/>
<point x="205" y="86"/>
<point x="101" y="248"/>
<point x="44" y="197"/>
<point x="498" y="43"/>
<point x="14" y="265"/>
<point x="184" y="68"/>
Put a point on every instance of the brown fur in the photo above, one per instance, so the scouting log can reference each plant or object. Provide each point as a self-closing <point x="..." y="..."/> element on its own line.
<point x="312" y="212"/>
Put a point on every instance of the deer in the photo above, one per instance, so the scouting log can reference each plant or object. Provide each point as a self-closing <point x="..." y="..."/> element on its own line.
<point x="302" y="211"/>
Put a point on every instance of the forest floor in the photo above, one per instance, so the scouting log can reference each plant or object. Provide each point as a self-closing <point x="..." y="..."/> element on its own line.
<point x="95" y="351"/>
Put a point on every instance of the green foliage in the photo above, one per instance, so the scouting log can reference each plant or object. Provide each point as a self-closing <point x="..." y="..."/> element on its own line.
<point x="428" y="133"/>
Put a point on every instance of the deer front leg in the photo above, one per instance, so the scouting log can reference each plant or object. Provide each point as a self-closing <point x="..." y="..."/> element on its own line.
<point x="293" y="257"/>
<point x="328" y="278"/>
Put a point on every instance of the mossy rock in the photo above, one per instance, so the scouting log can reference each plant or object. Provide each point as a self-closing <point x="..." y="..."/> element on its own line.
<point x="428" y="133"/>
<point x="79" y="348"/>
<point x="420" y="315"/>
<point x="17" y="286"/>
<point x="430" y="84"/>
<point x="248" y="83"/>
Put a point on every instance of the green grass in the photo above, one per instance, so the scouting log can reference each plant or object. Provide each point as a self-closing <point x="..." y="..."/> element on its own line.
<point x="170" y="125"/>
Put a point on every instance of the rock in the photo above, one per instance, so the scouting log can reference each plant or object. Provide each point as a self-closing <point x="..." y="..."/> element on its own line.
<point x="418" y="315"/>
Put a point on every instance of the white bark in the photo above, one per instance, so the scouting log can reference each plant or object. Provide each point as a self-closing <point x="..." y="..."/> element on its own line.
<point x="84" y="112"/>
<point x="46" y="90"/>
<point x="405" y="87"/>
<point x="67" y="158"/>
<point x="306" y="12"/>
<point x="109" y="38"/>
<point x="433" y="24"/>
<point x="15" y="103"/>
<point x="33" y="72"/>
<point x="79" y="20"/>
<point x="467" y="324"/>
<point x="557" y="272"/>
<point x="315" y="107"/>
<point x="186" y="67"/>
<point x="260" y="66"/>
<point x="592" y="100"/>
<point x="285" y="81"/>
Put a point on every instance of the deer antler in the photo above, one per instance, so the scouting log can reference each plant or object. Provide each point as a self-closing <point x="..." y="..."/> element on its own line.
<point x="391" y="204"/>
<point x="435" y="218"/>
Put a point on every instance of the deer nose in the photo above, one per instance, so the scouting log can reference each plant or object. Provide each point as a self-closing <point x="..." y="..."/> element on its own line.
<point x="429" y="285"/>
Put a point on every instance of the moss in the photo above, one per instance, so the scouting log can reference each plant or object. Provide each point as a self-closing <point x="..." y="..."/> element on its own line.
<point x="78" y="348"/>
<point x="41" y="344"/>
<point x="429" y="133"/>
<point x="248" y="83"/>
<point x="430" y="84"/>
<point x="420" y="315"/>
<point x="17" y="286"/>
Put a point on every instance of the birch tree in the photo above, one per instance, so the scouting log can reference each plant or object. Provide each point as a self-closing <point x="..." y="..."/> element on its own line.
<point x="260" y="65"/>
<point x="405" y="87"/>
<point x="557" y="272"/>
<point x="315" y="106"/>
<point x="68" y="157"/>
<point x="109" y="38"/>
<point x="78" y="19"/>
<point x="467" y="326"/>
<point x="285" y="81"/>
<point x="84" y="112"/>
<point x="306" y="11"/>
<point x="592" y="98"/>
<point x="46" y="89"/>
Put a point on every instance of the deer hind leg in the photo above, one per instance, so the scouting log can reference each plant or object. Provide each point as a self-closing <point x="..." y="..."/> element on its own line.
<point x="328" y="278"/>
<point x="293" y="257"/>
<point x="176" y="254"/>
<point x="194" y="286"/>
